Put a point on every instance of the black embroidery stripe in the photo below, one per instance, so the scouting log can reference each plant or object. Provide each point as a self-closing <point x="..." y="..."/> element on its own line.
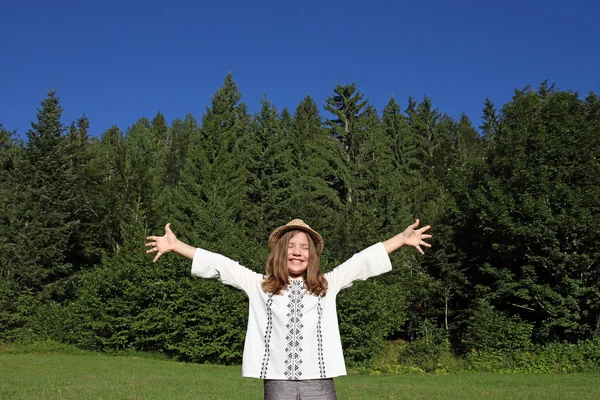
<point x="320" y="357"/>
<point x="294" y="337"/>
<point x="267" y="341"/>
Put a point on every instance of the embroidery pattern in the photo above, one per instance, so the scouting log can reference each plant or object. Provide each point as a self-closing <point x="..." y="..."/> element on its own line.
<point x="268" y="333"/>
<point x="294" y="337"/>
<point x="320" y="357"/>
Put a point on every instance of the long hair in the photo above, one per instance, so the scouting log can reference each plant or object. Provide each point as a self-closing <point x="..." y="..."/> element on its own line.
<point x="277" y="273"/>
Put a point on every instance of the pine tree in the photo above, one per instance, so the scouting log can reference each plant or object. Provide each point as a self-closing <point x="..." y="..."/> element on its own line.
<point x="182" y="134"/>
<point x="10" y="154"/>
<point x="84" y="250"/>
<point x="110" y="198"/>
<point x="468" y="142"/>
<point x="44" y="223"/>
<point x="371" y="176"/>
<point x="211" y="201"/>
<point x="411" y="108"/>
<point x="490" y="121"/>
<point x="146" y="150"/>
<point x="347" y="106"/>
<point x="163" y="136"/>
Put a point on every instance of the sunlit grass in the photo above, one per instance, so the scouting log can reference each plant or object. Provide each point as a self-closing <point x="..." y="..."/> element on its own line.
<point x="67" y="373"/>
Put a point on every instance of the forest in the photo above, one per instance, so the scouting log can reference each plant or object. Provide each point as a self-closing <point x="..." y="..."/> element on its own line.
<point x="513" y="200"/>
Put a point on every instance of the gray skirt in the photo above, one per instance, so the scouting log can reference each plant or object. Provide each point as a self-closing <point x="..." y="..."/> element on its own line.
<point x="310" y="389"/>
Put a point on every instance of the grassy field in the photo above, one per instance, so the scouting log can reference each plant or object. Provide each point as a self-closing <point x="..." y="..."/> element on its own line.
<point x="84" y="375"/>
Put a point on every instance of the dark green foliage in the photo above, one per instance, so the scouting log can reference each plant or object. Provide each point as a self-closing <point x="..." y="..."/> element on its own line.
<point x="211" y="202"/>
<point x="347" y="106"/>
<point x="85" y="250"/>
<point x="109" y="197"/>
<point x="10" y="151"/>
<point x="514" y="210"/>
<point x="492" y="331"/>
<point x="368" y="313"/>
<point x="42" y="206"/>
<point x="490" y="121"/>
<point x="533" y="213"/>
<point x="552" y="358"/>
<point x="182" y="134"/>
<point x="131" y="303"/>
<point x="309" y="168"/>
<point x="428" y="351"/>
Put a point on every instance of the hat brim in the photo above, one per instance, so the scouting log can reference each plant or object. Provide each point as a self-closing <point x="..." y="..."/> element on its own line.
<point x="279" y="232"/>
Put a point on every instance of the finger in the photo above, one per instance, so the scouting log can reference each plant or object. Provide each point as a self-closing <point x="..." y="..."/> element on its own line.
<point x="157" y="257"/>
<point x="152" y="238"/>
<point x="425" y="244"/>
<point x="425" y="228"/>
<point x="168" y="228"/>
<point x="425" y="236"/>
<point x="417" y="222"/>
<point x="420" y="250"/>
<point x="150" y="244"/>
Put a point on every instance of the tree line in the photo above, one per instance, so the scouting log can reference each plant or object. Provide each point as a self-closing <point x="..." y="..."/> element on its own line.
<point x="514" y="204"/>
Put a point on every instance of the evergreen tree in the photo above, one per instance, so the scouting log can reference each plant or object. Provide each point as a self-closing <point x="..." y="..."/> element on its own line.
<point x="467" y="141"/>
<point x="110" y="198"/>
<point x="211" y="202"/>
<point x="310" y="167"/>
<point x="146" y="150"/>
<point x="10" y="153"/>
<point x="84" y="250"/>
<point x="402" y="144"/>
<point x="490" y="120"/>
<point x="347" y="106"/>
<point x="160" y="130"/>
<point x="44" y="207"/>
<point x="424" y="123"/>
<point x="411" y="108"/>
<point x="264" y="148"/>
<point x="424" y="153"/>
<point x="131" y="303"/>
<point x="182" y="135"/>
<point x="163" y="136"/>
<point x="535" y="250"/>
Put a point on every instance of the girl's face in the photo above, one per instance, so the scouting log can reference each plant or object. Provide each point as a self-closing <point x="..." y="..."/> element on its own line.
<point x="297" y="254"/>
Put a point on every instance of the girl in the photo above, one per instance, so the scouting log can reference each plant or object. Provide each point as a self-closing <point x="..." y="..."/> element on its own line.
<point x="292" y="339"/>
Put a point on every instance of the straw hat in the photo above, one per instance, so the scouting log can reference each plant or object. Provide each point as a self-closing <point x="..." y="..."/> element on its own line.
<point x="296" y="224"/>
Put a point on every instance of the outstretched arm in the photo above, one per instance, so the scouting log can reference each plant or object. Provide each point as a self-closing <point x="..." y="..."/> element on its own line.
<point x="411" y="237"/>
<point x="372" y="261"/>
<point x="168" y="243"/>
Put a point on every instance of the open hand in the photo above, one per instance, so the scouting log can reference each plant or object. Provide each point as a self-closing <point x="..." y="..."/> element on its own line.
<point x="161" y="244"/>
<point x="414" y="237"/>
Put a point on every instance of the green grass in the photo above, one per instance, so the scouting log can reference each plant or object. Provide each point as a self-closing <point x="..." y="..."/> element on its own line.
<point x="66" y="373"/>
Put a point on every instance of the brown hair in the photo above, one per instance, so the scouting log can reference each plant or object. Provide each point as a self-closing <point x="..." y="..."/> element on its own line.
<point x="277" y="274"/>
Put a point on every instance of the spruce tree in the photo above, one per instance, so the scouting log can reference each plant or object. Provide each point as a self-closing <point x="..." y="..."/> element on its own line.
<point x="211" y="202"/>
<point x="312" y="167"/>
<point x="347" y="106"/>
<point x="44" y="223"/>
<point x="490" y="120"/>
<point x="182" y="134"/>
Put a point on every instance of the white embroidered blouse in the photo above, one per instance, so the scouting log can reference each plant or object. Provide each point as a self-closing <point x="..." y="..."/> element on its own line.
<point x="293" y="335"/>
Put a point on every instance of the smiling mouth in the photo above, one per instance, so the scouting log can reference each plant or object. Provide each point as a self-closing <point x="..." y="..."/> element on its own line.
<point x="294" y="261"/>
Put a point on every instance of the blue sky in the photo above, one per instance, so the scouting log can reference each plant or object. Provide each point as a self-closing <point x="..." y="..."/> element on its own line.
<point x="117" y="61"/>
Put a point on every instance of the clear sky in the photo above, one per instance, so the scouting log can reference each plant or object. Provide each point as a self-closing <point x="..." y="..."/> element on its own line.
<point x="117" y="61"/>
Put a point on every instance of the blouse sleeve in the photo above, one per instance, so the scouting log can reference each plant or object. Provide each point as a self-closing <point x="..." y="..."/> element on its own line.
<point x="211" y="265"/>
<point x="370" y="262"/>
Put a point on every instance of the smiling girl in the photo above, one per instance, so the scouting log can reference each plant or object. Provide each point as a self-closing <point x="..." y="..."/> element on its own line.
<point x="292" y="339"/>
